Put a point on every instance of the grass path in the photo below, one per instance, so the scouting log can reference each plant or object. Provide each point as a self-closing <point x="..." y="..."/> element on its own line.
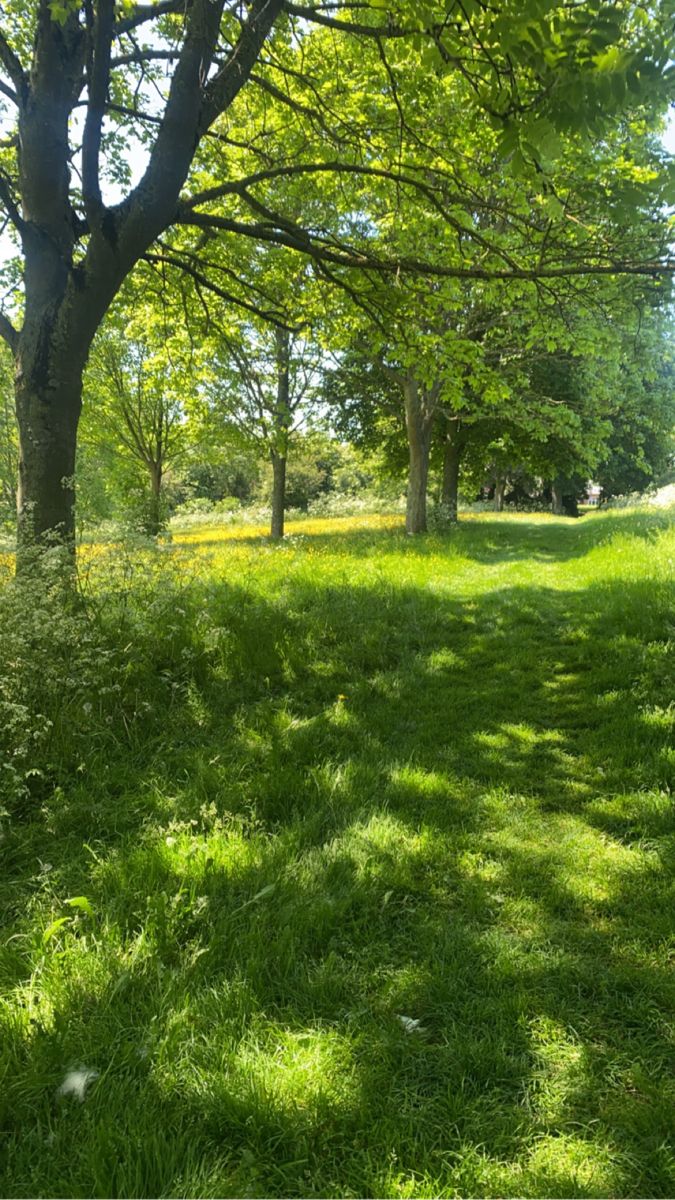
<point x="304" y="791"/>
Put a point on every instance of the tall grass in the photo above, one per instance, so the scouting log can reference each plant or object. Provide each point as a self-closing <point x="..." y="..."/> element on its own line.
<point x="262" y="802"/>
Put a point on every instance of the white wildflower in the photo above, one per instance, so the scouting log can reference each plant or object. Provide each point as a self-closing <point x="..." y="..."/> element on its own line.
<point x="76" y="1082"/>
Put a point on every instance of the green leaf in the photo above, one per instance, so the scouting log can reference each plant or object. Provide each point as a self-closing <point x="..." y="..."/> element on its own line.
<point x="553" y="207"/>
<point x="82" y="903"/>
<point x="53" y="929"/>
<point x="508" y="142"/>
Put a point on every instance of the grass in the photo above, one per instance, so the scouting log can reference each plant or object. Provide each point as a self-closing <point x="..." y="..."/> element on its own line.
<point x="287" y="795"/>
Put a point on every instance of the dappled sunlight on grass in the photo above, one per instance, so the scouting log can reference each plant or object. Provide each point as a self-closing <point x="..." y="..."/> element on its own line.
<point x="297" y="794"/>
<point x="569" y="1165"/>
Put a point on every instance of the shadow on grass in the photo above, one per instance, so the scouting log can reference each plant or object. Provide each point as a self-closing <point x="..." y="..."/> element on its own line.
<point x="360" y="803"/>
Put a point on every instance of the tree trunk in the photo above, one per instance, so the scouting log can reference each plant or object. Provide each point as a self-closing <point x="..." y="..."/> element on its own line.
<point x="450" y="488"/>
<point x="282" y="428"/>
<point x="278" y="495"/>
<point x="47" y="419"/>
<point x="419" y="421"/>
<point x="500" y="488"/>
<point x="557" y="498"/>
<point x="154" y="524"/>
<point x="570" y="504"/>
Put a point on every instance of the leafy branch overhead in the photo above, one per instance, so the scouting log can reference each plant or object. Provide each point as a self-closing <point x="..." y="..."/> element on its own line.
<point x="541" y="77"/>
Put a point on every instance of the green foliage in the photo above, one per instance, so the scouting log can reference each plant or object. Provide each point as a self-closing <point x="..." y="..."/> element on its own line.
<point x="55" y="668"/>
<point x="429" y="195"/>
<point x="310" y="472"/>
<point x="141" y="381"/>
<point x="641" y="445"/>
<point x="214" y="472"/>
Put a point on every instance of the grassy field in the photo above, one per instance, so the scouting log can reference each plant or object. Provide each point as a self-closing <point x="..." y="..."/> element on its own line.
<point x="264" y="802"/>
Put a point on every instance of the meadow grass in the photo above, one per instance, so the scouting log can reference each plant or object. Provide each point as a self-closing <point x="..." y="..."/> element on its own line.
<point x="269" y="799"/>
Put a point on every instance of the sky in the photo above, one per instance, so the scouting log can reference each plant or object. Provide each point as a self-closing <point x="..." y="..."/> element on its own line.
<point x="669" y="135"/>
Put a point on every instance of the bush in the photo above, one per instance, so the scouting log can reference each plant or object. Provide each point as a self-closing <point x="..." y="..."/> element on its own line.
<point x="51" y="662"/>
<point x="196" y="504"/>
<point x="336" y="504"/>
<point x="79" y="672"/>
<point x="201" y="505"/>
<point x="228" y="504"/>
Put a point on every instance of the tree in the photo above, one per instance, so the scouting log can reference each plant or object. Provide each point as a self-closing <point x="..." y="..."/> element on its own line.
<point x="526" y="67"/>
<point x="577" y="402"/>
<point x="641" y="444"/>
<point x="459" y="349"/>
<point x="213" y="472"/>
<point x="76" y="249"/>
<point x="261" y="390"/>
<point x="454" y="444"/>
<point x="590" y="413"/>
<point x="138" y="412"/>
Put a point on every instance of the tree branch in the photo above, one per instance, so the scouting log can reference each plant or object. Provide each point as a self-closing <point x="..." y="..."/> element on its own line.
<point x="12" y="64"/>
<point x="142" y="56"/>
<point x="319" y="18"/>
<point x="438" y="202"/>
<point x="297" y="238"/>
<point x="8" y="333"/>
<point x="205" y="265"/>
<point x="235" y="71"/>
<point x="10" y="204"/>
<point x="324" y="270"/>
<point x="303" y="109"/>
<point x="98" y="73"/>
<point x="150" y="12"/>
<point x="9" y="93"/>
<point x="192" y="106"/>
<point x="172" y="261"/>
<point x="240" y="187"/>
<point x="146" y="211"/>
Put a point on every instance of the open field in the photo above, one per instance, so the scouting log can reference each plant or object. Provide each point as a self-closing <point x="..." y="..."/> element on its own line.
<point x="269" y="799"/>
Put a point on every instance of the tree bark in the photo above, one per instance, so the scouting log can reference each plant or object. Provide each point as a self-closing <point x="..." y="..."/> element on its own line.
<point x="282" y="428"/>
<point x="450" y="488"/>
<point x="419" y="418"/>
<point x="500" y="488"/>
<point x="557" y="498"/>
<point x="47" y="417"/>
<point x="155" y="507"/>
<point x="278" y="495"/>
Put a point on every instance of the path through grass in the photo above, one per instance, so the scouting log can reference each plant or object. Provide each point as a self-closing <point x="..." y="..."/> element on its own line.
<point x="323" y="786"/>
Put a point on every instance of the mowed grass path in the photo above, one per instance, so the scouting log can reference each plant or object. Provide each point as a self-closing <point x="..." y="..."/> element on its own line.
<point x="333" y="783"/>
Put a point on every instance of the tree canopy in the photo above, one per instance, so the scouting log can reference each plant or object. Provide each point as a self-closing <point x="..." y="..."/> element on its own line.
<point x="404" y="151"/>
